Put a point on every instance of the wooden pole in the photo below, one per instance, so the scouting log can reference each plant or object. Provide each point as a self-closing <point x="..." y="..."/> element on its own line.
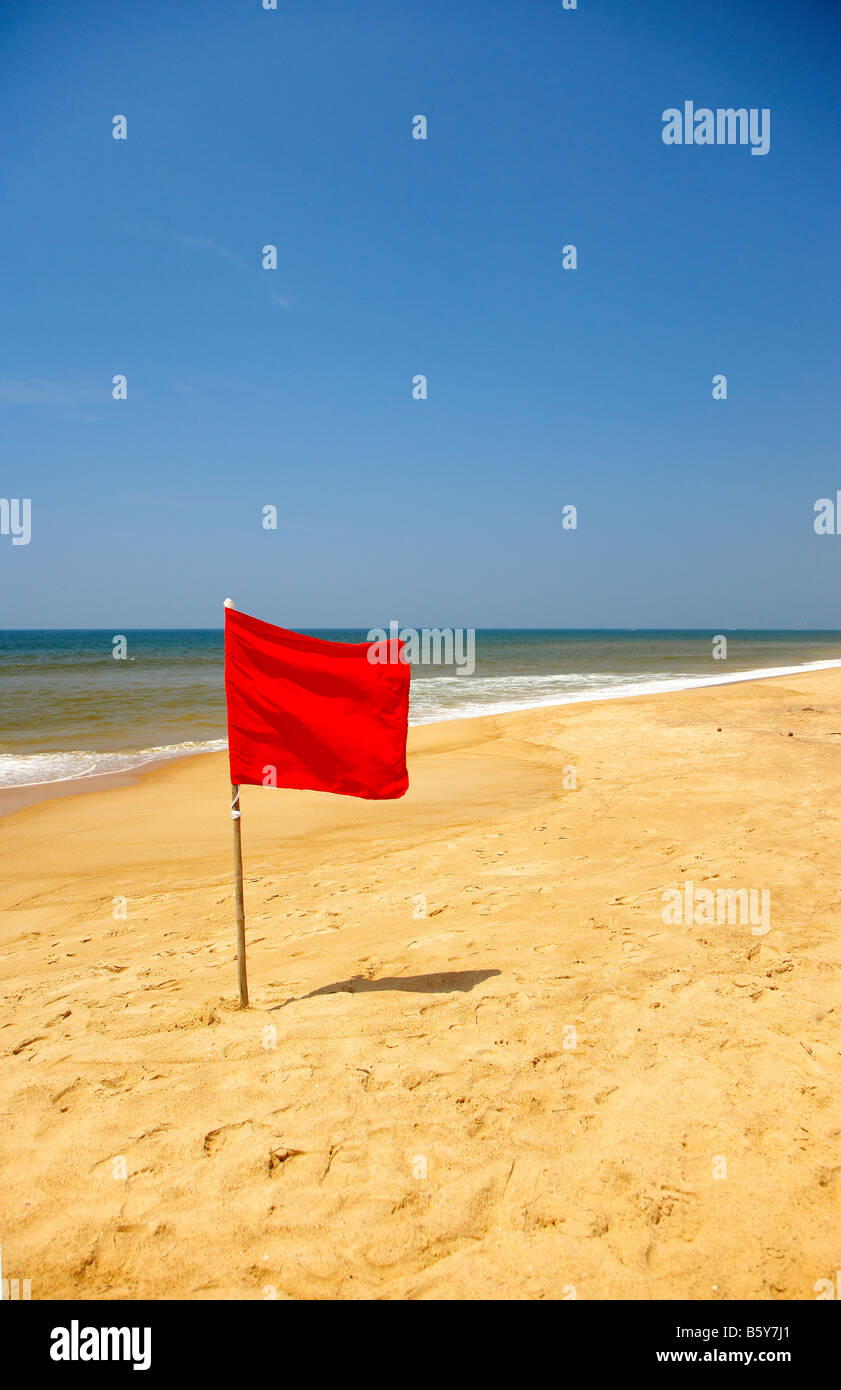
<point x="240" y="902"/>
<point x="241" y="975"/>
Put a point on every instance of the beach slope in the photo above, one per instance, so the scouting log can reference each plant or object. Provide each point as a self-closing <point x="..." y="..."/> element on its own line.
<point x="477" y="1061"/>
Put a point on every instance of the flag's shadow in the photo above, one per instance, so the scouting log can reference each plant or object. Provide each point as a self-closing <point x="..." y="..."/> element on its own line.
<point x="443" y="982"/>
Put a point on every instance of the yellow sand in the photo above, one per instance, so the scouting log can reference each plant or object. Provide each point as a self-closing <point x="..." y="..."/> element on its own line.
<point x="525" y="1093"/>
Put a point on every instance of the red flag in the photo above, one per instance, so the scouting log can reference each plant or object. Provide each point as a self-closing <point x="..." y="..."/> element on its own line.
<point x="321" y="714"/>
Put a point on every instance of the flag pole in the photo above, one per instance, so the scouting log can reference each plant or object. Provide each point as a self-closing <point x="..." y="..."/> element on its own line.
<point x="236" y="819"/>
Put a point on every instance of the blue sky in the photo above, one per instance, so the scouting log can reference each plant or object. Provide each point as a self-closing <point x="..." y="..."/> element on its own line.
<point x="292" y="387"/>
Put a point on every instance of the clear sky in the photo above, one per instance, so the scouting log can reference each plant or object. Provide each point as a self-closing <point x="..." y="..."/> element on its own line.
<point x="293" y="387"/>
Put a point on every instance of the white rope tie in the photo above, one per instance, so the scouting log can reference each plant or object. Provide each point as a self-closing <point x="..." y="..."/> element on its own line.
<point x="235" y="812"/>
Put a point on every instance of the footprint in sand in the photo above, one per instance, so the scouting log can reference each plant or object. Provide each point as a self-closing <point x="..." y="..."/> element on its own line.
<point x="63" y="1098"/>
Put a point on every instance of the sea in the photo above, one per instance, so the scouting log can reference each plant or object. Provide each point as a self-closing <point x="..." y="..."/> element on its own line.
<point x="69" y="710"/>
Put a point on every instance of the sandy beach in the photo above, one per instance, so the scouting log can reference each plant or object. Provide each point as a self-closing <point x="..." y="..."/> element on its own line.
<point x="538" y="1089"/>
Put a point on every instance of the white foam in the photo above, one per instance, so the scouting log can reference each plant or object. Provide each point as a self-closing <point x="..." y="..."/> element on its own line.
<point x="37" y="769"/>
<point x="610" y="687"/>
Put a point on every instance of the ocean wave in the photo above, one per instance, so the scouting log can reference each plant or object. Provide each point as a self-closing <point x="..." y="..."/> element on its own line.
<point x="605" y="686"/>
<point x="36" y="769"/>
<point x="432" y="702"/>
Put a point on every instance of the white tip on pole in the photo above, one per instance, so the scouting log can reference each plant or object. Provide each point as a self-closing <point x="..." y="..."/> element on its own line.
<point x="229" y="603"/>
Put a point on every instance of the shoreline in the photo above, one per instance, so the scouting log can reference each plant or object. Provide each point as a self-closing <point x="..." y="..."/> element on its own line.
<point x="19" y="796"/>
